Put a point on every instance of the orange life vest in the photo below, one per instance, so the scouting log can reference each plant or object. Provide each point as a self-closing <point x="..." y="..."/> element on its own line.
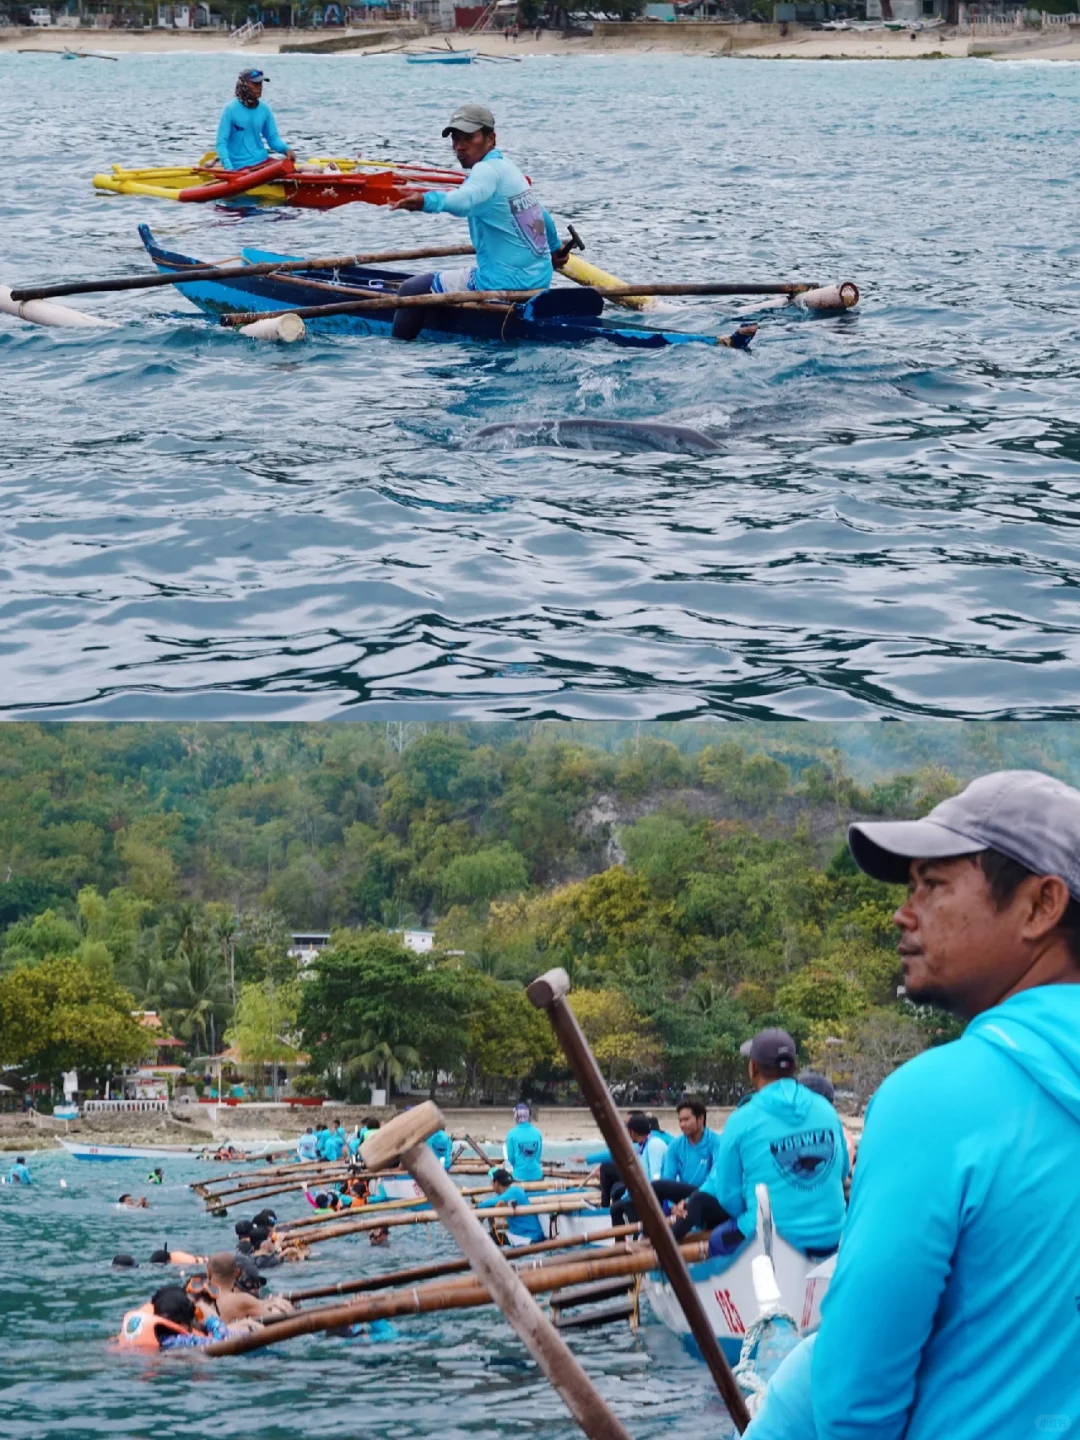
<point x="138" y="1329"/>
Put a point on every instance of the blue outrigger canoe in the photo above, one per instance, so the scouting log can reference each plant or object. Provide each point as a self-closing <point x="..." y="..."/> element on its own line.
<point x="557" y="317"/>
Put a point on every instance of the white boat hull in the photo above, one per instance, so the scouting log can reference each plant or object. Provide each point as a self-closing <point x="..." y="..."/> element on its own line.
<point x="725" y="1287"/>
<point x="129" y="1152"/>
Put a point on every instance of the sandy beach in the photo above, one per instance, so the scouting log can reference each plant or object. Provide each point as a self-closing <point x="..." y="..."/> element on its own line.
<point x="763" y="42"/>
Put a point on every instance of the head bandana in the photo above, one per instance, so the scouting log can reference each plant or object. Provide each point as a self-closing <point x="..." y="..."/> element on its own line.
<point x="246" y="93"/>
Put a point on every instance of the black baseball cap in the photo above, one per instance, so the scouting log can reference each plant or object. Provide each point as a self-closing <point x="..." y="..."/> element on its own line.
<point x="773" y="1048"/>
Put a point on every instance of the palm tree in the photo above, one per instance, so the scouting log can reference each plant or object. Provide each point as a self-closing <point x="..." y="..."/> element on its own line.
<point x="193" y="994"/>
<point x="378" y="1057"/>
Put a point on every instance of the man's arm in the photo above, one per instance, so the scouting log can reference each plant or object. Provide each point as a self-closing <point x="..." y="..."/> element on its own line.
<point x="271" y="136"/>
<point x="899" y="1239"/>
<point x="222" y="142"/>
<point x="725" y="1180"/>
<point x="670" y="1168"/>
<point x="479" y="187"/>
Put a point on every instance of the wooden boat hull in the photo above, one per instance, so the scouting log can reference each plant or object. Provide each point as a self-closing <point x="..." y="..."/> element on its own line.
<point x="322" y="183"/>
<point x="297" y="290"/>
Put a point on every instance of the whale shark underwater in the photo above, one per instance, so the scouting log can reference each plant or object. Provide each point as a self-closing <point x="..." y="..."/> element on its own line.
<point x="582" y="433"/>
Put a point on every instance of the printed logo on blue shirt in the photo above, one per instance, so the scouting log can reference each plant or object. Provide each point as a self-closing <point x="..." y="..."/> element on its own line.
<point x="529" y="216"/>
<point x="805" y="1160"/>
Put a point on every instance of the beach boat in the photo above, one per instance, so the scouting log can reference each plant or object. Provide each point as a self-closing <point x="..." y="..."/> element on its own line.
<point x="726" y="1287"/>
<point x="456" y="57"/>
<point x="80" y="1151"/>
<point x="556" y="317"/>
<point x="319" y="184"/>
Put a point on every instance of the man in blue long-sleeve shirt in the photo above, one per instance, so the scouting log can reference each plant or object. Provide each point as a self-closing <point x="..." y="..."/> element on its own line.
<point x="689" y="1160"/>
<point x="247" y="133"/>
<point x="953" y="1309"/>
<point x="514" y="237"/>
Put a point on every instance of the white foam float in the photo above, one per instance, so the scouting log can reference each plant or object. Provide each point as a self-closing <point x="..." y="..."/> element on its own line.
<point x="287" y="328"/>
<point x="829" y="297"/>
<point x="44" y="312"/>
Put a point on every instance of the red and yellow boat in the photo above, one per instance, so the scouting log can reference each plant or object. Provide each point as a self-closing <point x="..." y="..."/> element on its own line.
<point x="318" y="184"/>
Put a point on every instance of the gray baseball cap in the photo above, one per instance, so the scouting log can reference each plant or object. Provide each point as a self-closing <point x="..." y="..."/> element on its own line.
<point x="774" y="1048"/>
<point x="470" y="118"/>
<point x="1028" y="816"/>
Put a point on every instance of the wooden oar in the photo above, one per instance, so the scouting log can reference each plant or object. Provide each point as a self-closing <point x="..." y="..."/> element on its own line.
<point x="230" y="272"/>
<point x="549" y="993"/>
<point x="455" y="1267"/>
<point x="484" y="1156"/>
<point x="502" y="297"/>
<point x="406" y="1137"/>
<point x="459" y="1294"/>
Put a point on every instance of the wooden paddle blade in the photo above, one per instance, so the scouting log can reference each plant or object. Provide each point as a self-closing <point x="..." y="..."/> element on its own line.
<point x="411" y="1128"/>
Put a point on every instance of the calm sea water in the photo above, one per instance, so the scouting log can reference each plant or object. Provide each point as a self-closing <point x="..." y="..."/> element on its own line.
<point x="196" y="525"/>
<point x="453" y="1377"/>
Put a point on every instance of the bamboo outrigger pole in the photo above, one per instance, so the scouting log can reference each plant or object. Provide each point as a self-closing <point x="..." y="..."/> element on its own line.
<point x="459" y="1294"/>
<point x="383" y="1207"/>
<point x="405" y="1137"/>
<point x="227" y="272"/>
<point x="549" y="993"/>
<point x="849" y="296"/>
<point x="391" y="1278"/>
<point x="429" y="1216"/>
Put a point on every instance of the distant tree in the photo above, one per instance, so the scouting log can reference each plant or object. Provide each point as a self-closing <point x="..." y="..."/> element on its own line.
<point x="506" y="1037"/>
<point x="45" y="936"/>
<point x="58" y="1014"/>
<point x="484" y="875"/>
<point x="620" y="1037"/>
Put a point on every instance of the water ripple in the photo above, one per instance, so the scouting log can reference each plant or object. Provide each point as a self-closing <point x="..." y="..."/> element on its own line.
<point x="197" y="525"/>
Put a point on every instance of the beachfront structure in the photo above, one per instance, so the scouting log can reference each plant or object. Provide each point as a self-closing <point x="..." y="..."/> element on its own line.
<point x="304" y="948"/>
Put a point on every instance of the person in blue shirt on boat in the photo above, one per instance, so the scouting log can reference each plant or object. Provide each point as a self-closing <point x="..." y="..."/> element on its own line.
<point x="443" y="1146"/>
<point x="307" y="1147"/>
<point x="247" y="133"/>
<point x="654" y="1126"/>
<point x="689" y="1157"/>
<point x="521" y="1229"/>
<point x="787" y="1138"/>
<point x="953" y="1308"/>
<point x="19" y="1173"/>
<point x="523" y="1148"/>
<point x="514" y="237"/>
<point x="322" y="1139"/>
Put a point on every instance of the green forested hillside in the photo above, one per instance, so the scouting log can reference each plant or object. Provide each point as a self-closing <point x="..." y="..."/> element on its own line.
<point x="691" y="878"/>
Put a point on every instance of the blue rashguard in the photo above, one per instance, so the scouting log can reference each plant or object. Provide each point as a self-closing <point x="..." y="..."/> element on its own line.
<point x="788" y="1412"/>
<point x="523" y="1150"/>
<point x="691" y="1164"/>
<point x="19" y="1175"/>
<point x="953" y="1307"/>
<point x="215" y="1328"/>
<point x="791" y="1140"/>
<point x="246" y="137"/>
<point x="307" y="1147"/>
<point x="526" y="1228"/>
<point x="443" y="1146"/>
<point x="650" y="1154"/>
<point x="511" y="231"/>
